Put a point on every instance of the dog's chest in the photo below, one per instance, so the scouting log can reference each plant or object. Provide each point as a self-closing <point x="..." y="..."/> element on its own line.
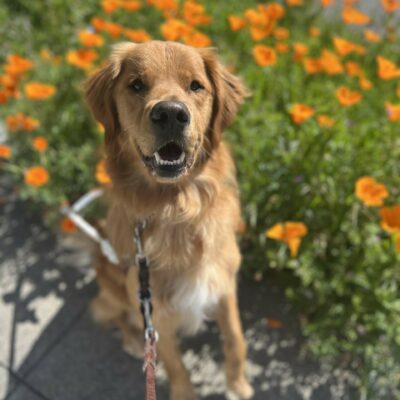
<point x="187" y="279"/>
<point x="175" y="246"/>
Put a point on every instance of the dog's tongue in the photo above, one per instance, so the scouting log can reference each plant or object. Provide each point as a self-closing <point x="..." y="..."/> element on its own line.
<point x="170" y="152"/>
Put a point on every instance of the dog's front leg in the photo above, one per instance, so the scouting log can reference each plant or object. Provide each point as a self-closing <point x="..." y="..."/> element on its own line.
<point x="234" y="347"/>
<point x="168" y="349"/>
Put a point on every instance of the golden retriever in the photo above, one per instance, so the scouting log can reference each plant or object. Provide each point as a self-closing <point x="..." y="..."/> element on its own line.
<point x="164" y="107"/>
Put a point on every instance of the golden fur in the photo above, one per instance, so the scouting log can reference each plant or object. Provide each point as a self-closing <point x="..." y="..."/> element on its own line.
<point x="190" y="239"/>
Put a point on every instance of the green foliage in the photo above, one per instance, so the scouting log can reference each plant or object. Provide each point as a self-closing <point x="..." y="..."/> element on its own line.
<point x="346" y="278"/>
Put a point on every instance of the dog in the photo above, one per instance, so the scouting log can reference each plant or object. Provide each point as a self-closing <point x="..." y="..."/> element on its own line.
<point x="164" y="106"/>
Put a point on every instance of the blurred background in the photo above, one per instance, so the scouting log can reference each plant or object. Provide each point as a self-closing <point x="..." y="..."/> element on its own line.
<point x="317" y="148"/>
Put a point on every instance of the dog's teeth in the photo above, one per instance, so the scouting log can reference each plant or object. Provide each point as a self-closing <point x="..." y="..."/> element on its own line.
<point x="158" y="158"/>
<point x="161" y="161"/>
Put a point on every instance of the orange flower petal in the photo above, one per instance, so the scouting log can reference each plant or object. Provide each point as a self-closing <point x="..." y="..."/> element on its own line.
<point x="39" y="91"/>
<point x="101" y="173"/>
<point x="67" y="226"/>
<point x="36" y="176"/>
<point x="346" y="97"/>
<point x="371" y="192"/>
<point x="40" y="144"/>
<point x="301" y="112"/>
<point x="5" y="151"/>
<point x="265" y="56"/>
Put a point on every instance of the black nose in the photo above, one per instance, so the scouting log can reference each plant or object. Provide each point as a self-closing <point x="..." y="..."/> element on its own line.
<point x="170" y="115"/>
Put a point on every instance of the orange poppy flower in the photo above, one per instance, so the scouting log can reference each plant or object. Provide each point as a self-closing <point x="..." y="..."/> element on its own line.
<point x="294" y="3"/>
<point x="17" y="65"/>
<point x="197" y="39"/>
<point x="263" y="20"/>
<point x="393" y="111"/>
<point x="109" y="6"/>
<point x="390" y="218"/>
<point x="14" y="122"/>
<point x="313" y="65"/>
<point x="371" y="192"/>
<point x="130" y="5"/>
<point x="194" y="14"/>
<point x="164" y="5"/>
<point x="327" y="3"/>
<point x="101" y="173"/>
<point x="265" y="56"/>
<point x="325" y="121"/>
<point x="274" y="11"/>
<point x="82" y="58"/>
<point x="390" y="6"/>
<point x="137" y="35"/>
<point x="365" y="84"/>
<point x="371" y="36"/>
<point x="67" y="226"/>
<point x="30" y="124"/>
<point x="387" y="69"/>
<point x="98" y="24"/>
<point x="36" y="176"/>
<point x="354" y="69"/>
<point x="255" y="17"/>
<point x="345" y="47"/>
<point x="330" y="63"/>
<point x="174" y="29"/>
<point x="281" y="33"/>
<point x="20" y="121"/>
<point x="301" y="112"/>
<point x="352" y="16"/>
<point x="346" y="97"/>
<point x="281" y="47"/>
<point x="9" y="82"/>
<point x="299" y="51"/>
<point x="259" y="33"/>
<point x="5" y="151"/>
<point x="40" y="144"/>
<point x="289" y="233"/>
<point x="39" y="91"/>
<point x="3" y="96"/>
<point x="236" y="23"/>
<point x="114" y="30"/>
<point x="90" y="39"/>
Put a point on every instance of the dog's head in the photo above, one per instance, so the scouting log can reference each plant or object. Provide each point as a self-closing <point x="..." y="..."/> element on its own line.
<point x="165" y="104"/>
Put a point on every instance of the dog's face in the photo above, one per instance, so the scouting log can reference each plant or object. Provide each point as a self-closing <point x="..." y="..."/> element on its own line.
<point x="165" y="104"/>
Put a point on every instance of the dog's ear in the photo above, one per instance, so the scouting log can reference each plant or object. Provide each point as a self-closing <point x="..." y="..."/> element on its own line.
<point x="229" y="93"/>
<point x="99" y="89"/>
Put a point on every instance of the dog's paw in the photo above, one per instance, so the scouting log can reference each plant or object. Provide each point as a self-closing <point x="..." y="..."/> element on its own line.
<point x="239" y="390"/>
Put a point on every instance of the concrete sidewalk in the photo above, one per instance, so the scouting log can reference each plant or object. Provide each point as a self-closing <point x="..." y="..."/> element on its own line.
<point x="50" y="348"/>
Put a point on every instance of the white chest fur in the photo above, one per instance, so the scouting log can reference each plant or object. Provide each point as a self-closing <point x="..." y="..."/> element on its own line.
<point x="194" y="300"/>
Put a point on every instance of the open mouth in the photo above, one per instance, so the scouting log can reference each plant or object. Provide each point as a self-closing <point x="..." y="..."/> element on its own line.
<point x="169" y="161"/>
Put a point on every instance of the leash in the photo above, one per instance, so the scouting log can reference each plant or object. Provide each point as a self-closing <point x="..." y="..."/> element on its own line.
<point x="144" y="293"/>
<point x="146" y="308"/>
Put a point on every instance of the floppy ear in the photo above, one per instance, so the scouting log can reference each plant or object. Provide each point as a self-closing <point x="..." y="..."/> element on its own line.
<point x="229" y="93"/>
<point x="99" y="89"/>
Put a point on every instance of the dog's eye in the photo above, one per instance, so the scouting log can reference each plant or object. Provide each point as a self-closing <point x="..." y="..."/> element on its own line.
<point x="137" y="85"/>
<point x="195" y="86"/>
